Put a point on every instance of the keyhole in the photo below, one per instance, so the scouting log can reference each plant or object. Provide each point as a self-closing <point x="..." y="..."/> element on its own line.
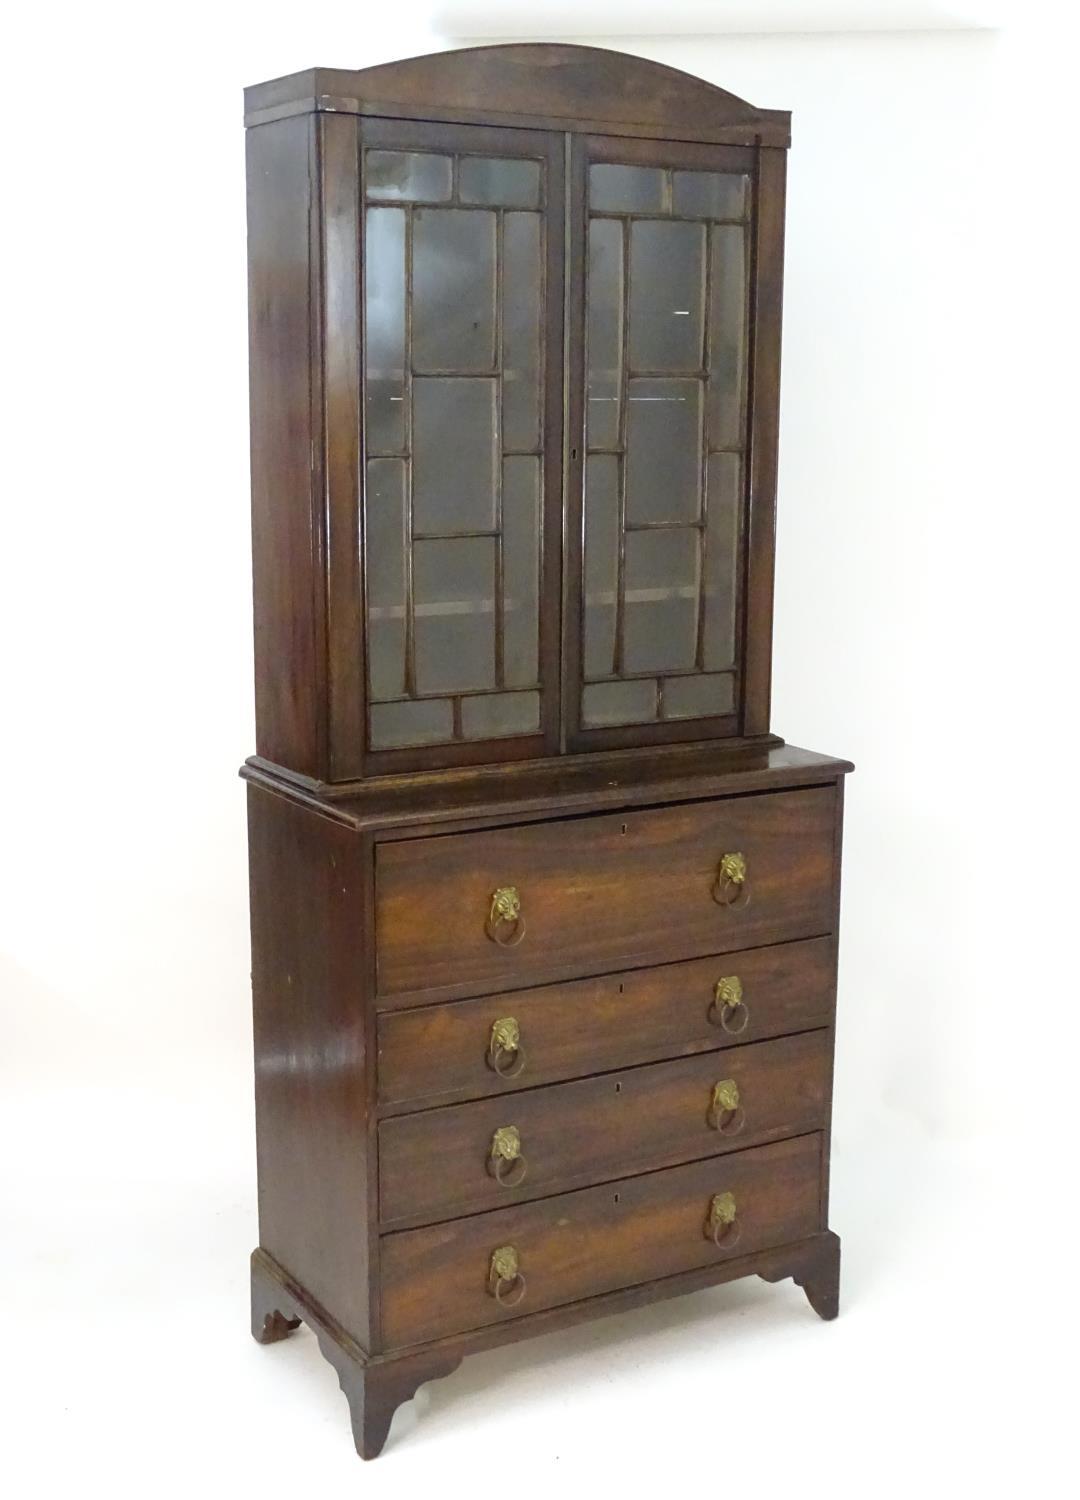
<point x="621" y="987"/>
<point x="616" y="1197"/>
<point x="618" y="1088"/>
<point x="624" y="828"/>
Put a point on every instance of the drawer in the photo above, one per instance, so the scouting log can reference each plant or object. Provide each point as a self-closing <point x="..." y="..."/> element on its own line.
<point x="471" y="1157"/>
<point x="440" y="1053"/>
<point x="442" y="1280"/>
<point x="600" y="893"/>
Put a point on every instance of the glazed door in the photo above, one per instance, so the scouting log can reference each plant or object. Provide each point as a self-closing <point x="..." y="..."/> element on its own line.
<point x="462" y="271"/>
<point x="660" y="481"/>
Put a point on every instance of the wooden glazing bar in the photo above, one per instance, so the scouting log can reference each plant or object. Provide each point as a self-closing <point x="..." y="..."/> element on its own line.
<point x="703" y="480"/>
<point x="624" y="344"/>
<point x="500" y="376"/>
<point x="410" y="603"/>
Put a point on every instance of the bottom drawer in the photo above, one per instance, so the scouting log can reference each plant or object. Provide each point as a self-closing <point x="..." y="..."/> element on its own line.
<point x="447" y="1279"/>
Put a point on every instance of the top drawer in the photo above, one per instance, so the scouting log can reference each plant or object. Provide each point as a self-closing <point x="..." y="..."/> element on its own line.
<point x="596" y="893"/>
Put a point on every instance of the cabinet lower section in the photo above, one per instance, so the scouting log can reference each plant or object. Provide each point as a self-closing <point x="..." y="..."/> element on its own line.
<point x="528" y="1065"/>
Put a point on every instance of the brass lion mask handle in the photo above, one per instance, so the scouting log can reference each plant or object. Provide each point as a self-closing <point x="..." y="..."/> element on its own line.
<point x="725" y="1109"/>
<point x="505" y="1282"/>
<point x="505" y="1053"/>
<point x="505" y="1162"/>
<point x="730" y="887"/>
<point x="728" y="1009"/>
<point x="505" y="924"/>
<point x="721" y="1221"/>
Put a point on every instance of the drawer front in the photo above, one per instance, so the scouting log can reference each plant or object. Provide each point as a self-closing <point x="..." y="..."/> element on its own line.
<point x="441" y="1280"/>
<point x="440" y="1053"/>
<point x="470" y="1157"/>
<point x="600" y="893"/>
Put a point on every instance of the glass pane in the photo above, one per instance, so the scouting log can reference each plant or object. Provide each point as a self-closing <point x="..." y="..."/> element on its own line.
<point x="453" y="455"/>
<point x="601" y="562"/>
<point x="426" y="723"/>
<point x="661" y="590"/>
<point x="453" y="289"/>
<point x="698" y="696"/>
<point x="454" y="605"/>
<point x="384" y="509"/>
<point x="727" y="337"/>
<point x="713" y="195"/>
<point x="663" y="451"/>
<point x="722" y="558"/>
<point x="521" y="324"/>
<point x="605" y="703"/>
<point x="626" y="189"/>
<point x="667" y="294"/>
<point x="384" y="274"/>
<point x="604" y="331"/>
<point x="498" y="714"/>
<point x="521" y="568"/>
<point x="408" y="174"/>
<point x="508" y="183"/>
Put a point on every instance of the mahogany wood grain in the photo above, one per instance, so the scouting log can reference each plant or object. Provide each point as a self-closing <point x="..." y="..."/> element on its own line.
<point x="767" y="290"/>
<point x="316" y="1196"/>
<point x="603" y="892"/>
<point x="434" y="1280"/>
<point x="407" y="805"/>
<point x="530" y="84"/>
<point x="438" y="1054"/>
<point x="286" y="514"/>
<point x="376" y="1384"/>
<point x="339" y="426"/>
<point x="375" y="983"/>
<point x="434" y="1165"/>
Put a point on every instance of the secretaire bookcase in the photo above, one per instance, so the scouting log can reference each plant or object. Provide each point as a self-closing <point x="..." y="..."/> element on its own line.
<point x="544" y="917"/>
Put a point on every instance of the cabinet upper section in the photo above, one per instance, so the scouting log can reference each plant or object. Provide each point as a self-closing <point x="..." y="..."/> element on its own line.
<point x="515" y="322"/>
<point x="537" y="84"/>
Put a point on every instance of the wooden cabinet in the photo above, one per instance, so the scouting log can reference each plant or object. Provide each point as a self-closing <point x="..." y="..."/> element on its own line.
<point x="544" y="916"/>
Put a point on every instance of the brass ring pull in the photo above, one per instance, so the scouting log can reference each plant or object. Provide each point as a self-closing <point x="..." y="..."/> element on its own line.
<point x="726" y="1113"/>
<point x="730" y="887"/>
<point x="721" y="1225"/>
<point x="505" y="1162"/>
<point x="505" y="1054"/>
<point x="728" y="1009"/>
<point x="505" y="1281"/>
<point x="505" y="925"/>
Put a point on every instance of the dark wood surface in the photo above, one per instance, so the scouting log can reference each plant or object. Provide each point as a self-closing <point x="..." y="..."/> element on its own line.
<point x="306" y="230"/>
<point x="434" y="1165"/>
<point x="438" y="1054"/>
<point x="541" y="84"/>
<point x="766" y="298"/>
<point x="406" y="806"/>
<point x="601" y="893"/>
<point x="316" y="1195"/>
<point x="286" y="511"/>
<point x="340" y="426"/>
<point x="596" y="1240"/>
<point x="375" y="983"/>
<point x="375" y="1385"/>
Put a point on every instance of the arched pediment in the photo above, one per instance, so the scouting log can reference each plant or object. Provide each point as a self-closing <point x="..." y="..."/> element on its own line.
<point x="531" y="83"/>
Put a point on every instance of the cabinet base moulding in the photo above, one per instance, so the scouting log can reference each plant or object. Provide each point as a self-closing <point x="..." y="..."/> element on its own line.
<point x="375" y="1385"/>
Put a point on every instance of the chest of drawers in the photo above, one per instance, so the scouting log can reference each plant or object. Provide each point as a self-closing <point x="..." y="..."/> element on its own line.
<point x="481" y="1117"/>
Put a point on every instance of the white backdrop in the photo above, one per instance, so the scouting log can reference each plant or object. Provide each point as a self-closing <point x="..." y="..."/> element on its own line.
<point x="925" y="627"/>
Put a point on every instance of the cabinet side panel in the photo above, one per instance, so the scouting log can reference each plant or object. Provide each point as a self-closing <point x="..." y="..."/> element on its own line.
<point x="768" y="290"/>
<point x="285" y="445"/>
<point x="311" y="1097"/>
